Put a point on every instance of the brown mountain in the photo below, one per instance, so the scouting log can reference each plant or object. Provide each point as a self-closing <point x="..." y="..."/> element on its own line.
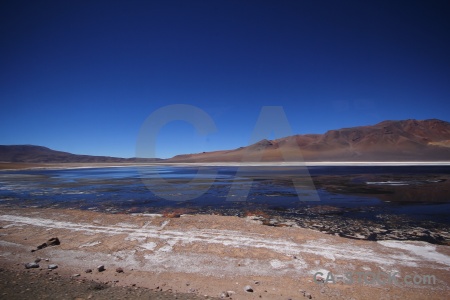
<point x="408" y="140"/>
<point x="39" y="154"/>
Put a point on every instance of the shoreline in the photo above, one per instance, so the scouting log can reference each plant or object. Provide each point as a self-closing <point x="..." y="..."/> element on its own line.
<point x="207" y="254"/>
<point x="7" y="166"/>
<point x="317" y="218"/>
<point x="350" y="207"/>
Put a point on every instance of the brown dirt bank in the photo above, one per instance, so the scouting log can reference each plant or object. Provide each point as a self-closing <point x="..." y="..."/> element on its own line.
<point x="206" y="255"/>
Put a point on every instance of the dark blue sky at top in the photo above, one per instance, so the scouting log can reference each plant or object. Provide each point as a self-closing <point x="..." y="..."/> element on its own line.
<point x="82" y="76"/>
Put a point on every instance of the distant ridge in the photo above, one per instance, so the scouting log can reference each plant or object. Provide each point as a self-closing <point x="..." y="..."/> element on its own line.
<point x="406" y="140"/>
<point x="39" y="154"/>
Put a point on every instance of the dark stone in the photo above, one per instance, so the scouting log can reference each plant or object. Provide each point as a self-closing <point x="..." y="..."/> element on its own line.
<point x="96" y="286"/>
<point x="248" y="289"/>
<point x="51" y="242"/>
<point x="32" y="265"/>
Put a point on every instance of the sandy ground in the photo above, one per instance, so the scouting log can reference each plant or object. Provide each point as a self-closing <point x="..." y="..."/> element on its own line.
<point x="35" y="284"/>
<point x="207" y="255"/>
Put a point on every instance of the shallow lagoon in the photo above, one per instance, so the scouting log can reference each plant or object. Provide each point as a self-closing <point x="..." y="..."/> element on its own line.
<point x="396" y="197"/>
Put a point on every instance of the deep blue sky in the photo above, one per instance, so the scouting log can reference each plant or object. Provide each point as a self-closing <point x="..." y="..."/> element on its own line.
<point x="82" y="76"/>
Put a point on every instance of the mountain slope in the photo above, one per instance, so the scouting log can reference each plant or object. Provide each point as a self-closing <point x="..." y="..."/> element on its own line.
<point x="407" y="140"/>
<point x="39" y="154"/>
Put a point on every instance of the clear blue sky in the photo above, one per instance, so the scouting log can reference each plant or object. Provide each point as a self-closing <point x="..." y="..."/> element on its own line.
<point x="82" y="76"/>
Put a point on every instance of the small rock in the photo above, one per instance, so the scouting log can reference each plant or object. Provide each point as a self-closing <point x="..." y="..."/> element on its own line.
<point x="101" y="268"/>
<point x="31" y="265"/>
<point x="52" y="267"/>
<point x="248" y="289"/>
<point x="308" y="295"/>
<point x="88" y="271"/>
<point x="51" y="242"/>
<point x="76" y="275"/>
<point x="119" y="270"/>
<point x="224" y="295"/>
<point x="37" y="260"/>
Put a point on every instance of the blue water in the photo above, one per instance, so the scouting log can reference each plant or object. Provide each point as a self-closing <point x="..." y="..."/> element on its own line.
<point x="121" y="189"/>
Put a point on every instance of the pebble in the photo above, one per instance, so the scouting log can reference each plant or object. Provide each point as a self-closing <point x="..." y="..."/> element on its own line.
<point x="119" y="270"/>
<point x="101" y="268"/>
<point x="224" y="295"/>
<point x="248" y="289"/>
<point x="31" y="265"/>
<point x="88" y="271"/>
<point x="52" y="267"/>
<point x="37" y="260"/>
<point x="76" y="275"/>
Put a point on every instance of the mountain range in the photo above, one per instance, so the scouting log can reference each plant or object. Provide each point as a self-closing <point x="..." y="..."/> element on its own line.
<point x="406" y="140"/>
<point x="39" y="154"/>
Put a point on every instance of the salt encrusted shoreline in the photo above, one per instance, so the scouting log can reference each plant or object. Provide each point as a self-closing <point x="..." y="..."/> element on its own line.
<point x="208" y="254"/>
